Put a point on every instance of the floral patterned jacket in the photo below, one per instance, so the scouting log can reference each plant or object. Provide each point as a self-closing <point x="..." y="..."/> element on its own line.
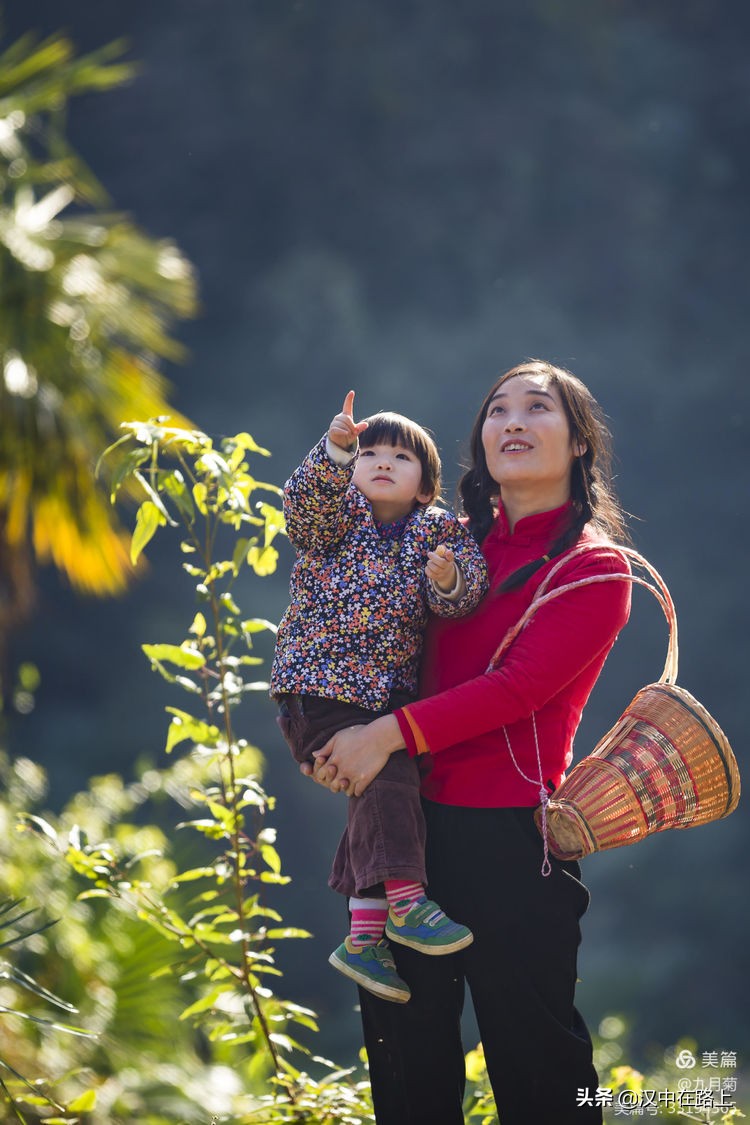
<point x="359" y="597"/>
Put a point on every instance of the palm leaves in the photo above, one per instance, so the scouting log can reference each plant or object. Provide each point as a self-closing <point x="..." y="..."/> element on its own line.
<point x="12" y="918"/>
<point x="87" y="305"/>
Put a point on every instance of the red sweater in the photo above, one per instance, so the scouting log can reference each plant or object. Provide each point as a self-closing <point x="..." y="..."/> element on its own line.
<point x="549" y="669"/>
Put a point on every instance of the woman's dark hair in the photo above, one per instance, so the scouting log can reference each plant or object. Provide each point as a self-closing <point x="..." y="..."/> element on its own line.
<point x="395" y="429"/>
<point x="592" y="494"/>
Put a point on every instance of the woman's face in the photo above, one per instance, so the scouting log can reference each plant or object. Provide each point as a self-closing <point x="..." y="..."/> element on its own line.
<point x="526" y="437"/>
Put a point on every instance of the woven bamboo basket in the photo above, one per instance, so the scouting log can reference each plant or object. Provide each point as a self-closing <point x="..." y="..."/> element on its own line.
<point x="666" y="763"/>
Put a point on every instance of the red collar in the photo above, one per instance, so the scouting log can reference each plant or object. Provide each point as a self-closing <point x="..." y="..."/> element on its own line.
<point x="543" y="527"/>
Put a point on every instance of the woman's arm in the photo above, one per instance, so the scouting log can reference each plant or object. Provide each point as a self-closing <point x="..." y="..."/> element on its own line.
<point x="557" y="645"/>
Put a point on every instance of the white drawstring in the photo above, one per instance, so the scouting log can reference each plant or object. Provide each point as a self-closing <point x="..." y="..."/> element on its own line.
<point x="543" y="794"/>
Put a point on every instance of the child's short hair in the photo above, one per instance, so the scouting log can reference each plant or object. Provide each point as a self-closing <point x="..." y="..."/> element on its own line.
<point x="395" y="429"/>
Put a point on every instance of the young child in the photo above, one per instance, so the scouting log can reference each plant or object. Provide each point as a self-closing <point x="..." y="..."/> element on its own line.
<point x="373" y="558"/>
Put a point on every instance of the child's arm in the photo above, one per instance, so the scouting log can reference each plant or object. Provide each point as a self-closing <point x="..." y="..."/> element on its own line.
<point x="343" y="430"/>
<point x="317" y="504"/>
<point x="456" y="570"/>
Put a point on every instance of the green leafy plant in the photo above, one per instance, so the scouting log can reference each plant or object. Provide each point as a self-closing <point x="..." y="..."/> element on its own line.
<point x="17" y="927"/>
<point x="213" y="912"/>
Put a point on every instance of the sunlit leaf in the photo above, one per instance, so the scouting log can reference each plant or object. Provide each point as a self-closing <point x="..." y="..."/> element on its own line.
<point x="263" y="560"/>
<point x="174" y="485"/>
<point x="245" y="441"/>
<point x="147" y="521"/>
<point x="199" y="625"/>
<point x="181" y="655"/>
<point x="274" y="522"/>
<point x="239" y="554"/>
<point x="84" y="1103"/>
<point x="258" y="625"/>
<point x="42" y="824"/>
<point x="200" y="494"/>
<point x="271" y="857"/>
<point x="194" y="873"/>
<point x="185" y="726"/>
<point x="228" y="602"/>
<point x="204" y="1004"/>
<point x="287" y="932"/>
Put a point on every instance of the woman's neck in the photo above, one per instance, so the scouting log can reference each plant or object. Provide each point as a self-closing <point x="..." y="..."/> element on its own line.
<point x="520" y="502"/>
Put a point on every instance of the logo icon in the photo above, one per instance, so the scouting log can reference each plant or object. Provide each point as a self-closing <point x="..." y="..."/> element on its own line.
<point x="685" y="1060"/>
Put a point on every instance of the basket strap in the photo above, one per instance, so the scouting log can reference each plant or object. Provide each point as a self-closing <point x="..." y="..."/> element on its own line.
<point x="543" y="792"/>
<point x="657" y="586"/>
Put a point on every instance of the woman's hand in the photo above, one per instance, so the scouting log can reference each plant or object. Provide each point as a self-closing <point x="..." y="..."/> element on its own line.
<point x="319" y="774"/>
<point x="353" y="757"/>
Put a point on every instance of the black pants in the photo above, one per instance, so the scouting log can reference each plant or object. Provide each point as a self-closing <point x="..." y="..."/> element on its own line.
<point x="483" y="866"/>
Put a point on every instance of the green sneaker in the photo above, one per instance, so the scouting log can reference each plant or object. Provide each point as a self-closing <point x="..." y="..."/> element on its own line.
<point x="373" y="967"/>
<point x="427" y="929"/>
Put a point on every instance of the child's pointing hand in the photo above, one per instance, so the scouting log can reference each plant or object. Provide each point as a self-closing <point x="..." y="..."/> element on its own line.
<point x="343" y="430"/>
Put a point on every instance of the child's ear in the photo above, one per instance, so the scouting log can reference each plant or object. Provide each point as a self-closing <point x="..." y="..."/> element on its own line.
<point x="424" y="497"/>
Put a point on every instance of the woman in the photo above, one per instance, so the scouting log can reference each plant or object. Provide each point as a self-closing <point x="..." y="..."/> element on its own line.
<point x="538" y="485"/>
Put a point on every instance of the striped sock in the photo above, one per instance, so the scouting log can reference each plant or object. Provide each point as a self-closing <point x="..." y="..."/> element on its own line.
<point x="369" y="916"/>
<point x="402" y="894"/>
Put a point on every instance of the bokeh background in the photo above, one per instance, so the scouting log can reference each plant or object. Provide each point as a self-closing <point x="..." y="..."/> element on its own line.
<point x="407" y="198"/>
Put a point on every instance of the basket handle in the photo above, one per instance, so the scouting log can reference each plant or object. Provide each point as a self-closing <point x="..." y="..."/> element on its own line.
<point x="657" y="587"/>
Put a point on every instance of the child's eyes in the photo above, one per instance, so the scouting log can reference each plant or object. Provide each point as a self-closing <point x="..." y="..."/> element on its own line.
<point x="399" y="455"/>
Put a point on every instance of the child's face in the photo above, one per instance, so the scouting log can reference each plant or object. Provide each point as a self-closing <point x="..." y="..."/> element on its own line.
<point x="390" y="476"/>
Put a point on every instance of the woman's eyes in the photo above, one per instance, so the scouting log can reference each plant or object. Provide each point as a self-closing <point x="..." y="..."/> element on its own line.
<point x="536" y="404"/>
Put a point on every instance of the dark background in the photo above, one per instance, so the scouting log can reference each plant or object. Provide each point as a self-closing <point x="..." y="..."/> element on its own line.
<point x="408" y="198"/>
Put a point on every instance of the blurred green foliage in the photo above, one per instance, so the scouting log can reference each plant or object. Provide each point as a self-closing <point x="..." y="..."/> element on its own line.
<point x="17" y="927"/>
<point x="87" y="304"/>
